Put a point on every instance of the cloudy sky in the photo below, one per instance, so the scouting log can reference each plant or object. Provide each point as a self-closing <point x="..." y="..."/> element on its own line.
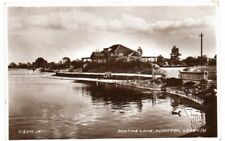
<point x="56" y="32"/>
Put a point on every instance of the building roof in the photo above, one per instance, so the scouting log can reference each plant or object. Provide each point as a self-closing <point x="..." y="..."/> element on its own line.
<point x="118" y="48"/>
<point x="97" y="54"/>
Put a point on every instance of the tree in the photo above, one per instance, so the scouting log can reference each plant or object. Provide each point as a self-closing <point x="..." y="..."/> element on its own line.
<point x="66" y="62"/>
<point x="175" y="54"/>
<point x="52" y="65"/>
<point x="60" y="65"/>
<point x="22" y="65"/>
<point x="12" y="65"/>
<point x="40" y="63"/>
<point x="202" y="60"/>
<point x="190" y="61"/>
<point x="175" y="59"/>
<point x="161" y="60"/>
<point x="212" y="61"/>
<point x="76" y="63"/>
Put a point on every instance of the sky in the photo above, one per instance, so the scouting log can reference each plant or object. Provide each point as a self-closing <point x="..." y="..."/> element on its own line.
<point x="75" y="32"/>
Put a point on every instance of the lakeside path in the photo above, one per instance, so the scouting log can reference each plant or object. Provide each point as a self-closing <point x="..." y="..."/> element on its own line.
<point x="128" y="83"/>
<point x="132" y="83"/>
<point x="116" y="76"/>
<point x="84" y="79"/>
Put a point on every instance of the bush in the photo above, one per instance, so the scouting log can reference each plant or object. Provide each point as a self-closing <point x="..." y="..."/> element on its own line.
<point x="119" y="66"/>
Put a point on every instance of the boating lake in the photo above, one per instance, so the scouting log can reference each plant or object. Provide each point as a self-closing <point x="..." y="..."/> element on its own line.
<point x="41" y="107"/>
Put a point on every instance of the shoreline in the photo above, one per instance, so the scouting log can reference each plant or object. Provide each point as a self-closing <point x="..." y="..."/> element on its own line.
<point x="108" y="75"/>
<point x="131" y="84"/>
<point x="83" y="79"/>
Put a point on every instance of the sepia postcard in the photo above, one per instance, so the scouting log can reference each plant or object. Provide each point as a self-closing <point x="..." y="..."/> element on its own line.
<point x="112" y="72"/>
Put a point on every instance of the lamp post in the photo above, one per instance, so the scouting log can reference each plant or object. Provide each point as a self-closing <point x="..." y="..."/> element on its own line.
<point x="201" y="35"/>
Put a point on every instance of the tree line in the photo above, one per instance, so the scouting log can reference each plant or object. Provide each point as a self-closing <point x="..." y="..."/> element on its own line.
<point x="67" y="63"/>
<point x="40" y="62"/>
<point x="188" y="61"/>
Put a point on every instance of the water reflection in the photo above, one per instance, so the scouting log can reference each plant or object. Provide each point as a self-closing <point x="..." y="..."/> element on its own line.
<point x="117" y="97"/>
<point x="121" y="97"/>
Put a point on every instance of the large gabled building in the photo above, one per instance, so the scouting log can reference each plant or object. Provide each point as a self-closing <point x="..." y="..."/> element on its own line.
<point x="119" y="52"/>
<point x="115" y="53"/>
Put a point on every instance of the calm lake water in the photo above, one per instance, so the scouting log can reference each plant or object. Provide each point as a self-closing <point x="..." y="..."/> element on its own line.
<point x="41" y="107"/>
